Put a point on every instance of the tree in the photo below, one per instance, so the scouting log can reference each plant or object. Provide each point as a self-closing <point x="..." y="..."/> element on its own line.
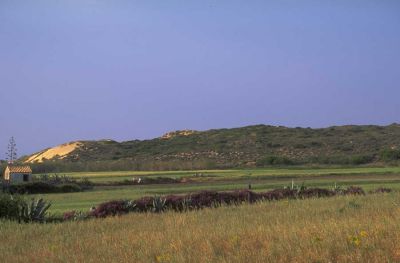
<point x="11" y="154"/>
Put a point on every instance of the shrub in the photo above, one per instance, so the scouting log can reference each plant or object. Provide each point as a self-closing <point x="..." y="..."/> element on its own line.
<point x="354" y="190"/>
<point x="69" y="188"/>
<point x="111" y="208"/>
<point x="381" y="190"/>
<point x="361" y="159"/>
<point x="274" y="160"/>
<point x="70" y="215"/>
<point x="279" y="194"/>
<point x="42" y="188"/>
<point x="206" y="199"/>
<point x="75" y="216"/>
<point x="144" y="204"/>
<point x="390" y="155"/>
<point x="315" y="192"/>
<point x="14" y="207"/>
<point x="85" y="184"/>
<point x="10" y="206"/>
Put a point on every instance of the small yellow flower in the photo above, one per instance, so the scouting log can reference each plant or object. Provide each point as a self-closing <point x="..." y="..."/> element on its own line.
<point x="163" y="258"/>
<point x="363" y="234"/>
<point x="234" y="240"/>
<point x="355" y="240"/>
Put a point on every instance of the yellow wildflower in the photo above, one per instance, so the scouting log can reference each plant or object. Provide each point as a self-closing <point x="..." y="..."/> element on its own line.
<point x="163" y="258"/>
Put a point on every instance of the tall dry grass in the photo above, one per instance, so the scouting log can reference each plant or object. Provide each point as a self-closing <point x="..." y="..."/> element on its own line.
<point x="339" y="229"/>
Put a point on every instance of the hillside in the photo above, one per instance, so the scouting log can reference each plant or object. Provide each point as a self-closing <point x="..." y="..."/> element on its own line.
<point x="249" y="146"/>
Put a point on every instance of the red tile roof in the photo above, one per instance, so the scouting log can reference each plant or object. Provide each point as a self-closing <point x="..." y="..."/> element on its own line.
<point x="19" y="169"/>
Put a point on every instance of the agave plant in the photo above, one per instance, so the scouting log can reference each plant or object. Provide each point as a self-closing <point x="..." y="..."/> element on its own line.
<point x="130" y="206"/>
<point x="337" y="189"/>
<point x="159" y="204"/>
<point x="35" y="212"/>
<point x="79" y="216"/>
<point x="186" y="203"/>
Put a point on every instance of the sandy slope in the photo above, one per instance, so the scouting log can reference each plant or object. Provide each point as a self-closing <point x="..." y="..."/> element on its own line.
<point x="61" y="151"/>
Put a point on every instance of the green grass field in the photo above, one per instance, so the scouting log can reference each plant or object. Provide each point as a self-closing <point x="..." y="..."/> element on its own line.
<point x="221" y="180"/>
<point x="338" y="229"/>
<point x="265" y="172"/>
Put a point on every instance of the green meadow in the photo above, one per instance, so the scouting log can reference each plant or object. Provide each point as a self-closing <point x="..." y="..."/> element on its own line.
<point x="220" y="180"/>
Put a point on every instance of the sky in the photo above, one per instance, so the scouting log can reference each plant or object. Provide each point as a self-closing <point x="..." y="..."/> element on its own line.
<point x="124" y="69"/>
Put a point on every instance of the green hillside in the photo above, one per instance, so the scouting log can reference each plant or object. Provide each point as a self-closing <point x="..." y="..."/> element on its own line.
<point x="251" y="146"/>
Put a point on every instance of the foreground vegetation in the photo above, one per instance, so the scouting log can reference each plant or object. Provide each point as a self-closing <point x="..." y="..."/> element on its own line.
<point x="337" y="229"/>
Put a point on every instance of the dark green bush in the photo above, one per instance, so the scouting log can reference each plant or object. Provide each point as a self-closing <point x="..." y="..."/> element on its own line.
<point x="361" y="159"/>
<point x="10" y="206"/>
<point x="390" y="155"/>
<point x="42" y="188"/>
<point x="274" y="160"/>
<point x="69" y="188"/>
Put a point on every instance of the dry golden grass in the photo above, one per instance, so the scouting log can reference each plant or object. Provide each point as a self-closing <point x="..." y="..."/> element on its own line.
<point x="340" y="229"/>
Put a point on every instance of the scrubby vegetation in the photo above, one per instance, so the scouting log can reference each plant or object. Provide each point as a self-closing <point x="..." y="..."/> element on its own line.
<point x="44" y="184"/>
<point x="252" y="146"/>
<point x="207" y="199"/>
<point x="14" y="207"/>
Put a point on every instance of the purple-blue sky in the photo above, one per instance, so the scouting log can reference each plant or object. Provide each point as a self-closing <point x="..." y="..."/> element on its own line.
<point x="72" y="70"/>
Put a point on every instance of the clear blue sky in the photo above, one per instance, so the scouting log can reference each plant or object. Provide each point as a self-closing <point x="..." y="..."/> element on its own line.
<point x="72" y="70"/>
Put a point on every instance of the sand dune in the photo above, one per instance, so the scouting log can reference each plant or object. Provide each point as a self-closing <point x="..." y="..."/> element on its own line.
<point x="60" y="151"/>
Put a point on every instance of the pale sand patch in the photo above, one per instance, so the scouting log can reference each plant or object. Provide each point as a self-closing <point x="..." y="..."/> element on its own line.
<point x="61" y="151"/>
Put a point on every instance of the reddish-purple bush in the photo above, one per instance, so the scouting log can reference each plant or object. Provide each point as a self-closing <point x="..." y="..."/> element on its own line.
<point x="70" y="215"/>
<point x="279" y="194"/>
<point x="111" y="208"/>
<point x="354" y="190"/>
<point x="381" y="190"/>
<point x="238" y="196"/>
<point x="205" y="199"/>
<point x="175" y="202"/>
<point x="144" y="204"/>
<point x="315" y="192"/>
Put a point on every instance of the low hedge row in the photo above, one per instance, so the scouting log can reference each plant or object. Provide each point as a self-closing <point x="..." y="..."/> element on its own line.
<point x="209" y="199"/>
<point x="42" y="188"/>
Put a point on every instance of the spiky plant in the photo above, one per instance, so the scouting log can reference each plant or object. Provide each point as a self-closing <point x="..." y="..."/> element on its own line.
<point x="337" y="189"/>
<point x="130" y="206"/>
<point x="36" y="211"/>
<point x="159" y="204"/>
<point x="186" y="204"/>
<point x="79" y="216"/>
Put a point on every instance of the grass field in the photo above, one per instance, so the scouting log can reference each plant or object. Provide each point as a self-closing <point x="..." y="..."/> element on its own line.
<point x="221" y="180"/>
<point x="239" y="173"/>
<point x="339" y="229"/>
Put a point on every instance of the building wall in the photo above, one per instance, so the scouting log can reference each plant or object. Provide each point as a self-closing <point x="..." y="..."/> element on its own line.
<point x="6" y="174"/>
<point x="19" y="178"/>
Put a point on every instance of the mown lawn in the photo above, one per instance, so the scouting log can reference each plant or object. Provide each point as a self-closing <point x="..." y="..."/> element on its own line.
<point x="338" y="229"/>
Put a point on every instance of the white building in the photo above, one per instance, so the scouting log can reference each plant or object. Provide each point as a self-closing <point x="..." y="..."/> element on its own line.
<point x="17" y="174"/>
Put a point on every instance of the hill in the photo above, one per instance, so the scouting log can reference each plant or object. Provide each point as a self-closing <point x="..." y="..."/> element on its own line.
<point x="250" y="146"/>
